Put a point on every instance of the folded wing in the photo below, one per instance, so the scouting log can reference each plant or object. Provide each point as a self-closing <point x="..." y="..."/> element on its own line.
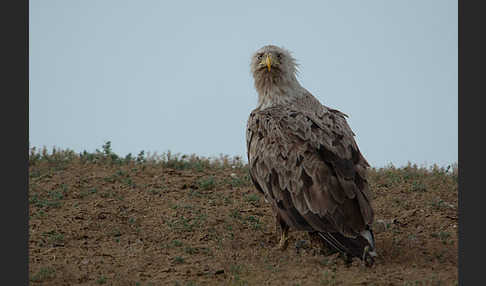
<point x="310" y="169"/>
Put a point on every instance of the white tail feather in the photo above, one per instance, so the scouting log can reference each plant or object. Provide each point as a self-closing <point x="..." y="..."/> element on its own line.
<point x="369" y="237"/>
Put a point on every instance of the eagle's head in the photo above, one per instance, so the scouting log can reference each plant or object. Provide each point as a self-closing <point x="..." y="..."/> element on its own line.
<point x="274" y="71"/>
<point x="273" y="61"/>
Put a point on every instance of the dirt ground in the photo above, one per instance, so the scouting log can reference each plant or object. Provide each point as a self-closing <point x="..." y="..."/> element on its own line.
<point x="103" y="220"/>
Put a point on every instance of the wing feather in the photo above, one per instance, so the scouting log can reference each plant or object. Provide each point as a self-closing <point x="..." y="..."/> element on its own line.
<point x="310" y="168"/>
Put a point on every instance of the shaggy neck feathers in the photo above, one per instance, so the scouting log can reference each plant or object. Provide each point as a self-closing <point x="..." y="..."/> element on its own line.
<point x="274" y="89"/>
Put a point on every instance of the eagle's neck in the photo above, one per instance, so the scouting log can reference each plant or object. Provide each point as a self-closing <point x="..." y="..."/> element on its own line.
<point x="275" y="90"/>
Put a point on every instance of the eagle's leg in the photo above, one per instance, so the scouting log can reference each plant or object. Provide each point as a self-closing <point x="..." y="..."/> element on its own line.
<point x="282" y="245"/>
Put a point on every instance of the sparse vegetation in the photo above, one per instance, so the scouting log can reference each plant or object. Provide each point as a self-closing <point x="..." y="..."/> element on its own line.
<point x="179" y="260"/>
<point x="187" y="220"/>
<point x="253" y="199"/>
<point x="43" y="274"/>
<point x="207" y="183"/>
<point x="53" y="237"/>
<point x="329" y="278"/>
<point x="101" y="280"/>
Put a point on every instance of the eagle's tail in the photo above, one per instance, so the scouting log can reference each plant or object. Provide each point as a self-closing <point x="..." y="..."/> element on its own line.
<point x="363" y="246"/>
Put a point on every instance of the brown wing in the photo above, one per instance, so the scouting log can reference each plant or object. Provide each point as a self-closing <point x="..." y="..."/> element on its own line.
<point x="310" y="169"/>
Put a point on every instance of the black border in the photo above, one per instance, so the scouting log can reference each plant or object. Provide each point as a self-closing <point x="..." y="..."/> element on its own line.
<point x="471" y="143"/>
<point x="15" y="135"/>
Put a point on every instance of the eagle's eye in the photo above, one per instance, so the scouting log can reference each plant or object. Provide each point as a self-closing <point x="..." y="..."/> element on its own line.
<point x="259" y="56"/>
<point x="279" y="56"/>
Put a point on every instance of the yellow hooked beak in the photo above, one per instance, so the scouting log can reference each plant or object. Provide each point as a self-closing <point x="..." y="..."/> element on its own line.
<point x="268" y="61"/>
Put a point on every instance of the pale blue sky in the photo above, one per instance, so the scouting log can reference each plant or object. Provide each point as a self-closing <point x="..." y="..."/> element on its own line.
<point x="174" y="75"/>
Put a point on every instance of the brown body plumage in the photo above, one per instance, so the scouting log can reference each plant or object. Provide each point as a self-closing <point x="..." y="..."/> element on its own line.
<point x="304" y="159"/>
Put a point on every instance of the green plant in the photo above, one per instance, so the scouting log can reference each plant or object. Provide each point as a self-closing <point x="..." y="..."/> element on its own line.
<point x="190" y="250"/>
<point x="101" y="280"/>
<point x="207" y="183"/>
<point x="141" y="157"/>
<point x="438" y="204"/>
<point x="329" y="278"/>
<point x="227" y="200"/>
<point x="179" y="260"/>
<point x="442" y="235"/>
<point x="252" y="198"/>
<point x="235" y="214"/>
<point x="54" y="237"/>
<point x="40" y="202"/>
<point x="194" y="193"/>
<point x="88" y="192"/>
<point x="254" y="222"/>
<point x="153" y="191"/>
<point x="177" y="243"/>
<point x="43" y="274"/>
<point x="418" y="186"/>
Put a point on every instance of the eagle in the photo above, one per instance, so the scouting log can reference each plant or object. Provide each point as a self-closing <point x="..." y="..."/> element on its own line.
<point x="303" y="158"/>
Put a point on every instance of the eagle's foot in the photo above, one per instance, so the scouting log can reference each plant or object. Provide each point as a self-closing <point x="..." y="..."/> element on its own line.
<point x="282" y="245"/>
<point x="284" y="233"/>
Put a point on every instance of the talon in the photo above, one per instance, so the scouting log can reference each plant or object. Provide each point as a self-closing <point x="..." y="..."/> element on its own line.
<point x="282" y="245"/>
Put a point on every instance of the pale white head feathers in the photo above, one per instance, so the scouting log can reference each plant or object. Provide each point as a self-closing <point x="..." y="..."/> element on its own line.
<point x="275" y="73"/>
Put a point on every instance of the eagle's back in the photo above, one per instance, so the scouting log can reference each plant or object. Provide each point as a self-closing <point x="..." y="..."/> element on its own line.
<point x="305" y="160"/>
